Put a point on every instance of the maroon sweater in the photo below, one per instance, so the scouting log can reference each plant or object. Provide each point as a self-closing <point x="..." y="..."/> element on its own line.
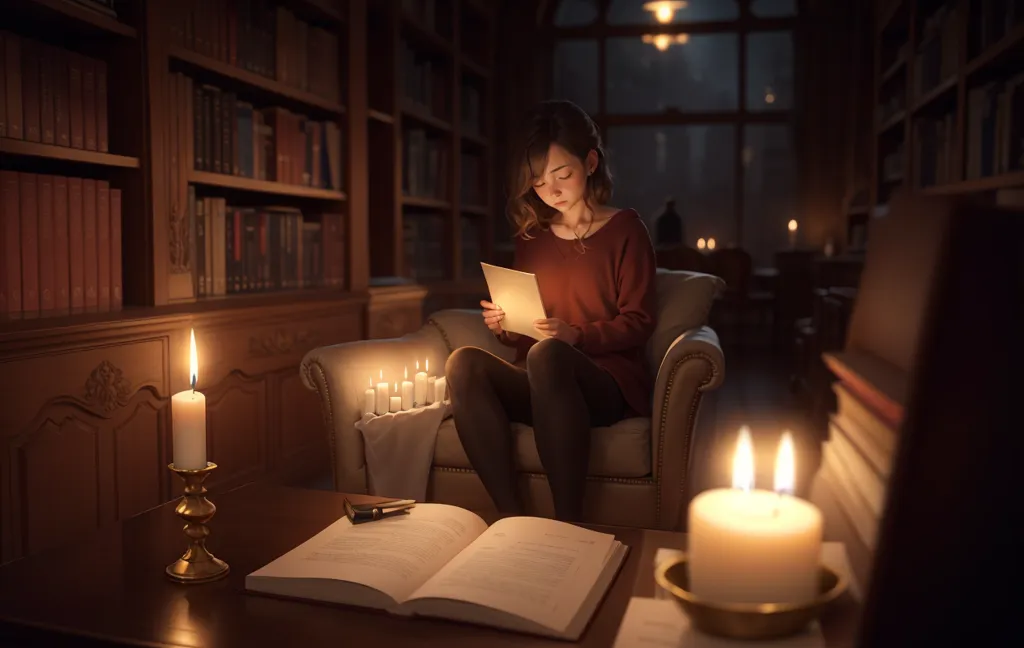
<point x="606" y="294"/>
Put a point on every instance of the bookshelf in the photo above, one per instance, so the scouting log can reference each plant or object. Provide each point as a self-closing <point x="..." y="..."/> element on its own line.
<point x="949" y="97"/>
<point x="431" y="145"/>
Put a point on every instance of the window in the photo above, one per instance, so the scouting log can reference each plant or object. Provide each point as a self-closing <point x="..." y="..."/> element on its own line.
<point x="694" y="101"/>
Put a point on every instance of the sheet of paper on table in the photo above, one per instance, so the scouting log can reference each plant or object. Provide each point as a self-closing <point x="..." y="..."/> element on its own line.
<point x="653" y="623"/>
<point x="833" y="556"/>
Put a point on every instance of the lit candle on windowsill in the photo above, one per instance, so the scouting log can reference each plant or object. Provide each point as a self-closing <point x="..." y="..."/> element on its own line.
<point x="407" y="391"/>
<point x="755" y="546"/>
<point x="711" y="244"/>
<point x="382" y="404"/>
<point x="419" y="396"/>
<point x="702" y="244"/>
<point x="370" y="399"/>
<point x="792" y="227"/>
<point x="396" y="401"/>
<point x="188" y="418"/>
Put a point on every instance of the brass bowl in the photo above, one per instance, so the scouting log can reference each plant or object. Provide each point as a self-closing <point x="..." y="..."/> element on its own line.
<point x="746" y="620"/>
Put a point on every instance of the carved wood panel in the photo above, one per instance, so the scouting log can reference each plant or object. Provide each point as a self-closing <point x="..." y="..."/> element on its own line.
<point x="236" y="429"/>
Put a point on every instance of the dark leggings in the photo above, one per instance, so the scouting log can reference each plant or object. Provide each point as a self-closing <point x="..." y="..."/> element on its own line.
<point x="561" y="393"/>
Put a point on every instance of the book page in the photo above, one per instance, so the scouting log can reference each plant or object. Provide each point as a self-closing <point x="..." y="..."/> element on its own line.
<point x="395" y="555"/>
<point x="518" y="294"/>
<point x="537" y="569"/>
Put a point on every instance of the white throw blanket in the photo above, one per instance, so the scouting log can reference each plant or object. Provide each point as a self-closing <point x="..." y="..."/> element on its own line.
<point x="399" y="450"/>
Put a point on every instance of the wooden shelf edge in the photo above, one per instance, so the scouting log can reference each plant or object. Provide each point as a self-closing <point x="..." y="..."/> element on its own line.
<point x="479" y="210"/>
<point x="255" y="80"/>
<point x="887" y="14"/>
<point x="10" y="146"/>
<point x="479" y="140"/>
<point x="892" y="122"/>
<point x="893" y="69"/>
<point x="88" y="16"/>
<point x="262" y="186"/>
<point x="476" y="68"/>
<point x="996" y="50"/>
<point x="935" y="93"/>
<point x="380" y="116"/>
<point x="422" y="201"/>
<point x="415" y="112"/>
<point x="1009" y="180"/>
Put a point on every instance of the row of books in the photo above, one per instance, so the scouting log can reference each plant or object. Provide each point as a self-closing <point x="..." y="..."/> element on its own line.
<point x="425" y="165"/>
<point x="61" y="244"/>
<point x="934" y="150"/>
<point x="51" y="95"/>
<point x="995" y="128"/>
<point x="472" y="117"/>
<point x="424" y="82"/>
<point x="473" y="179"/>
<point x="258" y="249"/>
<point x="938" y="52"/>
<point x="423" y="243"/>
<point x="260" y="37"/>
<point x="995" y="19"/>
<point x="235" y="138"/>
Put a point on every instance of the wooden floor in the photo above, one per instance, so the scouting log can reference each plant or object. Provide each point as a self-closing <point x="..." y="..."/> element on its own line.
<point x="755" y="393"/>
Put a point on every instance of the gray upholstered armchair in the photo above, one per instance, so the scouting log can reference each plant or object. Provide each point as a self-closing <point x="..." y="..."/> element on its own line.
<point x="639" y="467"/>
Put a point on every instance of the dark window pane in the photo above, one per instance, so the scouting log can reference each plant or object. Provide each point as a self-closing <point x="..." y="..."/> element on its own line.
<point x="699" y="75"/>
<point x="573" y="13"/>
<point x="773" y="8"/>
<point x="632" y="12"/>
<point x="576" y="73"/>
<point x="769" y="185"/>
<point x="695" y="165"/>
<point x="770" y="71"/>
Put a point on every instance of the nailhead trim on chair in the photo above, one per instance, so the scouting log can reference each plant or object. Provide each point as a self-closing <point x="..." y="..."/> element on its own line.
<point x="691" y="419"/>
<point x="444" y="336"/>
<point x="326" y="410"/>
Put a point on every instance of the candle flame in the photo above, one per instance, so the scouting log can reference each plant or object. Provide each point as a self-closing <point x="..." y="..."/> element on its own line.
<point x="792" y="225"/>
<point x="426" y="366"/>
<point x="701" y="244"/>
<point x="785" y="466"/>
<point x="743" y="461"/>
<point x="396" y="388"/>
<point x="417" y="365"/>
<point x="381" y="375"/>
<point x="193" y="360"/>
<point x="371" y="381"/>
<point x="711" y="244"/>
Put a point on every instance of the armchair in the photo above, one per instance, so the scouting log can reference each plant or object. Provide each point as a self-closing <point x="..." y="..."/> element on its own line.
<point x="639" y="467"/>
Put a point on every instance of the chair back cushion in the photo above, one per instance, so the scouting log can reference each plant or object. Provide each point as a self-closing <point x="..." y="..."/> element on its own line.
<point x="684" y="302"/>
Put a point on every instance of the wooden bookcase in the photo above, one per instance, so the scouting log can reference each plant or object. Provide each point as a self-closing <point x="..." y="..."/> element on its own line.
<point x="949" y="97"/>
<point x="430" y="146"/>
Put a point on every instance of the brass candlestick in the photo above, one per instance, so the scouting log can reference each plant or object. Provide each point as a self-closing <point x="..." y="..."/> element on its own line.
<point x="197" y="565"/>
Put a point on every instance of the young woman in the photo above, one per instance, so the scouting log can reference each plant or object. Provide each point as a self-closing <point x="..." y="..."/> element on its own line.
<point x="595" y="267"/>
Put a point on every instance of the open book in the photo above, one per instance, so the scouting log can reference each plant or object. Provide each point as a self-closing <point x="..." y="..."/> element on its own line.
<point x="526" y="574"/>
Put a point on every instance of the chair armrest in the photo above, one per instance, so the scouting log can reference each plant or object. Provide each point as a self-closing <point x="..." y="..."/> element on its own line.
<point x="341" y="373"/>
<point x="693" y="365"/>
<point x="465" y="327"/>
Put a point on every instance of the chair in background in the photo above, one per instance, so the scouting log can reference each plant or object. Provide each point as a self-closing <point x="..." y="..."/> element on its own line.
<point x="738" y="301"/>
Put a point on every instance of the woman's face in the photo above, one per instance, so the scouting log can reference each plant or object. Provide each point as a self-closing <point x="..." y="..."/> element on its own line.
<point x="564" y="180"/>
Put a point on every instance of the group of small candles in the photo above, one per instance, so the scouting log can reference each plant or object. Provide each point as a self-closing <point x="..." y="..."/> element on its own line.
<point x="423" y="390"/>
<point x="750" y="545"/>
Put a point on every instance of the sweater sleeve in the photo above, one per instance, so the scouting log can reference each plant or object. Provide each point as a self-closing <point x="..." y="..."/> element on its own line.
<point x="634" y="323"/>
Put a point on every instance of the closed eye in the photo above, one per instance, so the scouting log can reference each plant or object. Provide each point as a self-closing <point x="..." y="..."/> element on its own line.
<point x="566" y="176"/>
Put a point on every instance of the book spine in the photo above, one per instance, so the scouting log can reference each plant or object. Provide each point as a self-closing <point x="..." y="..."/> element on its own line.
<point x="61" y="251"/>
<point x="12" y="89"/>
<point x="101" y="106"/>
<point x="103" y="244"/>
<point x="89" y="245"/>
<point x="116" y="281"/>
<point x="11" y="213"/>
<point x="89" y="102"/>
<point x="47" y="123"/>
<point x="29" y="242"/>
<point x="44" y="202"/>
<point x="76" y="108"/>
<point x="76" y="242"/>
<point x="30" y="89"/>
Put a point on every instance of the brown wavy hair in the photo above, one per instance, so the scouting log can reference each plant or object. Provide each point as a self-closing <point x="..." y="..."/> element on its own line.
<point x="552" y="122"/>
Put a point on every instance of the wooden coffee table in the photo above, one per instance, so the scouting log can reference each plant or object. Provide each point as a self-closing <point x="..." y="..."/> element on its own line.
<point x="110" y="587"/>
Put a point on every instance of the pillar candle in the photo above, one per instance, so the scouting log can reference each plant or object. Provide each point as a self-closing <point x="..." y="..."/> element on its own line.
<point x="753" y="546"/>
<point x="407" y="392"/>
<point x="431" y="381"/>
<point x="382" y="404"/>
<point x="440" y="387"/>
<point x="370" y="399"/>
<point x="420" y="388"/>
<point x="396" y="401"/>
<point x="188" y="419"/>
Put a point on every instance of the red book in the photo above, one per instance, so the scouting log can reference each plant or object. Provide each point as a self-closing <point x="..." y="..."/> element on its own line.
<point x="29" y="243"/>
<point x="75" y="107"/>
<point x="12" y="89"/>
<point x="76" y="245"/>
<point x="44" y="198"/>
<point x="103" y="243"/>
<point x="116" y="293"/>
<point x="30" y="89"/>
<point x="89" y="243"/>
<point x="89" y="102"/>
<point x="61" y="125"/>
<point x="46" y="91"/>
<point x="10" y="222"/>
<point x="61" y="261"/>
<point x="101" y="106"/>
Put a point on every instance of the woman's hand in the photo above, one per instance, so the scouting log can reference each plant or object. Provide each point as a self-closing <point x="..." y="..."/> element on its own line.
<point x="493" y="316"/>
<point x="556" y="328"/>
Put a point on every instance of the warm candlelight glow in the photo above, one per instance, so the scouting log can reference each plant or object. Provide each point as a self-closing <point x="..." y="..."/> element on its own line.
<point x="382" y="375"/>
<point x="701" y="244"/>
<point x="193" y="360"/>
<point x="426" y="365"/>
<point x="406" y="374"/>
<point x="711" y="244"/>
<point x="769" y="96"/>
<point x="792" y="225"/>
<point x="664" y="10"/>
<point x="663" y="41"/>
<point x="785" y="466"/>
<point x="743" y="461"/>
